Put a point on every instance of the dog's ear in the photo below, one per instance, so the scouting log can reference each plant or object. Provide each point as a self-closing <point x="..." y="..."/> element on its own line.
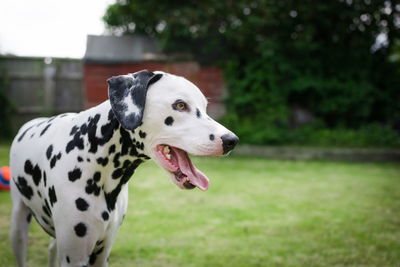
<point x="127" y="95"/>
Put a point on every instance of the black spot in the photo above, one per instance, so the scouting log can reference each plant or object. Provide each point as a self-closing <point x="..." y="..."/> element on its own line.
<point x="111" y="149"/>
<point x="34" y="171"/>
<point x="80" y="229"/>
<point x="81" y="204"/>
<point x="116" y="160"/>
<point x="45" y="129"/>
<point x="126" y="164"/>
<point x="198" y="114"/>
<point x="212" y="137"/>
<point x="44" y="178"/>
<point x="29" y="217"/>
<point x="84" y="129"/>
<point x="88" y="160"/>
<point x="32" y="135"/>
<point x="40" y="123"/>
<point x="80" y="159"/>
<point x="51" y="119"/>
<point x="142" y="134"/>
<point x="126" y="141"/>
<point x="47" y="205"/>
<point x="169" y="120"/>
<point x="107" y="131"/>
<point x="91" y="185"/>
<point x="143" y="156"/>
<point x="23" y="134"/>
<point x="67" y="258"/>
<point x="99" y="242"/>
<point x="92" y="258"/>
<point x="74" y="129"/>
<point x="102" y="161"/>
<point x="77" y="142"/>
<point x="54" y="160"/>
<point x="46" y="208"/>
<point x="100" y="250"/>
<point x="139" y="145"/>
<point x="75" y="174"/>
<point x="52" y="196"/>
<point x="105" y="215"/>
<point x="112" y="196"/>
<point x="23" y="187"/>
<point x="117" y="173"/>
<point x="49" y="151"/>
<point x="39" y="194"/>
<point x="45" y="221"/>
<point x="97" y="176"/>
<point x="133" y="151"/>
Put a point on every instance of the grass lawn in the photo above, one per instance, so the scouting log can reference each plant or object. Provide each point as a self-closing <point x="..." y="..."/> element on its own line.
<point x="257" y="212"/>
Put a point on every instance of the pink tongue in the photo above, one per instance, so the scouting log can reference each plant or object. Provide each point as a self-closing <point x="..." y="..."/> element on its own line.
<point x="196" y="177"/>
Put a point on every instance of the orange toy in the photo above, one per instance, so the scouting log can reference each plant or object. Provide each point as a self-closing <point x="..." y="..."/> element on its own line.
<point x="5" y="175"/>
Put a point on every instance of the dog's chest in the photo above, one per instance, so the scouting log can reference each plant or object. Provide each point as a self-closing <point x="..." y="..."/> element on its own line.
<point x="76" y="166"/>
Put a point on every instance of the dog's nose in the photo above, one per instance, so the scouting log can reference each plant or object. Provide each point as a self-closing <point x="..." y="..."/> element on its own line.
<point x="229" y="142"/>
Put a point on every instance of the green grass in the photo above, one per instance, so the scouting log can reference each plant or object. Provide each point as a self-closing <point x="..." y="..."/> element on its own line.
<point x="257" y="212"/>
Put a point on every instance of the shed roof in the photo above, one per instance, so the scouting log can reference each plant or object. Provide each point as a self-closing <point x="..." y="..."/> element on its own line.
<point x="129" y="48"/>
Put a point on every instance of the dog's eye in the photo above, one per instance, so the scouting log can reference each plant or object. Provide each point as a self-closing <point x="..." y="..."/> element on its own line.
<point x="180" y="106"/>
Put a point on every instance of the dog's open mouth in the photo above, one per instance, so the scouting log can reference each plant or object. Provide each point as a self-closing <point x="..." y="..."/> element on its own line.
<point x="177" y="162"/>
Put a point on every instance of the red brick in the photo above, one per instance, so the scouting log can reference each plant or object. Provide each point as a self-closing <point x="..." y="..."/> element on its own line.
<point x="208" y="79"/>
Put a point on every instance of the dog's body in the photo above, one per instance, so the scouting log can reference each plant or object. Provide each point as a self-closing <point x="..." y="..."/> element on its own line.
<point x="70" y="171"/>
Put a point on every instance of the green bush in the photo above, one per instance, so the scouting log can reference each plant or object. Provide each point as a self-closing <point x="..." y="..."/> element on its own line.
<point x="315" y="134"/>
<point x="320" y="55"/>
<point x="372" y="135"/>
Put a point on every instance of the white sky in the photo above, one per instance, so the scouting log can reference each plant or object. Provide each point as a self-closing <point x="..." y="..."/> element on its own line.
<point x="50" y="28"/>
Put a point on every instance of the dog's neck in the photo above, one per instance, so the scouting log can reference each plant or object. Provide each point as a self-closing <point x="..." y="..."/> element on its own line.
<point x="118" y="151"/>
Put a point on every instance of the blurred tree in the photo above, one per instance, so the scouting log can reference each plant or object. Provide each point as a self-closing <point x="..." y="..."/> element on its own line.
<point x="329" y="57"/>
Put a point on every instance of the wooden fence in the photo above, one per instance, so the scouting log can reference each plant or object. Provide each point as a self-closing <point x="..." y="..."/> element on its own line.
<point x="41" y="86"/>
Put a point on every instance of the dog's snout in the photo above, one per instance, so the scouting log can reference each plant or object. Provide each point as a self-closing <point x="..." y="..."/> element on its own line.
<point x="229" y="142"/>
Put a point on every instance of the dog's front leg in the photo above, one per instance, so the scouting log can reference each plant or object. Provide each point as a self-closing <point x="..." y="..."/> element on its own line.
<point x="53" y="253"/>
<point x="20" y="219"/>
<point x="99" y="257"/>
<point x="75" y="253"/>
<point x="76" y="242"/>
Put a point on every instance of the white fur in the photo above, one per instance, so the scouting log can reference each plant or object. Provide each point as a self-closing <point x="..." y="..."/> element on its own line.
<point x="188" y="132"/>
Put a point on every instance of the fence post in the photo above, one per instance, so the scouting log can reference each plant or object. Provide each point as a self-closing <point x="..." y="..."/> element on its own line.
<point x="49" y="74"/>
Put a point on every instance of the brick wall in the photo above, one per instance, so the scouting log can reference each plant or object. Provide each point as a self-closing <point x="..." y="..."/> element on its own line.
<point x="208" y="79"/>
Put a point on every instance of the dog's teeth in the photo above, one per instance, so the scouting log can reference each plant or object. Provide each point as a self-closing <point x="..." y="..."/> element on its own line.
<point x="168" y="156"/>
<point x="166" y="150"/>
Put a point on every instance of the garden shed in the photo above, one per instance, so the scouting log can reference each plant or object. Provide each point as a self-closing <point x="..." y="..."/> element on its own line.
<point x="108" y="56"/>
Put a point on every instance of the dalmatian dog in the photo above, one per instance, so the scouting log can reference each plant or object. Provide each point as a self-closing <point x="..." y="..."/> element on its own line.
<point x="70" y="172"/>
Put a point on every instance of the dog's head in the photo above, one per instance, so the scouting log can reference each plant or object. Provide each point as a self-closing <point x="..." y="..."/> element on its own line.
<point x="171" y="113"/>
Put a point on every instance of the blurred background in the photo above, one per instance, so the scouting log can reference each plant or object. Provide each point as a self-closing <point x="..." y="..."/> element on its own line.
<point x="317" y="82"/>
<point x="277" y="73"/>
